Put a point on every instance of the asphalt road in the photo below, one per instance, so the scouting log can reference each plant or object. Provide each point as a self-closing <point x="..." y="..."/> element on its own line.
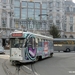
<point x="59" y="64"/>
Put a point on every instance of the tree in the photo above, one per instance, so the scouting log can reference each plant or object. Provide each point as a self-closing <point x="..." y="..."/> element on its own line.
<point x="54" y="32"/>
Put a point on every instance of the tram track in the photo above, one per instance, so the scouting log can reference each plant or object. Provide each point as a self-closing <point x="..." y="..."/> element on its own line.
<point x="6" y="69"/>
<point x="27" y="70"/>
<point x="31" y="69"/>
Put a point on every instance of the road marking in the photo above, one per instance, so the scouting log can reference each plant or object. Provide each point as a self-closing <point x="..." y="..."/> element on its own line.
<point x="28" y="68"/>
<point x="31" y="70"/>
<point x="71" y="71"/>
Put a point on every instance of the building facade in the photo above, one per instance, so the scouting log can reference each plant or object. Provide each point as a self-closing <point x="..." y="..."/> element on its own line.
<point x="31" y="15"/>
<point x="56" y="14"/>
<point x="69" y="26"/>
<point x="6" y="19"/>
<point x="37" y="16"/>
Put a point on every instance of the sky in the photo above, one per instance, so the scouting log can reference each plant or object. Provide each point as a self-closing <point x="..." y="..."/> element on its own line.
<point x="74" y="1"/>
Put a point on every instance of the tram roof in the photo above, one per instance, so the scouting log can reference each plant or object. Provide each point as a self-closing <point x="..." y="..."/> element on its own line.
<point x="38" y="35"/>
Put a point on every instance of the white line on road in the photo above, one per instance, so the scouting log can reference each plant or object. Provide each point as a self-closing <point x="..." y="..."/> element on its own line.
<point x="31" y="70"/>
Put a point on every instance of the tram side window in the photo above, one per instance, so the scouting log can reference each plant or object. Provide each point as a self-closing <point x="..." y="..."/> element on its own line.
<point x="16" y="43"/>
<point x="36" y="40"/>
<point x="31" y="41"/>
<point x="25" y="43"/>
<point x="43" y="41"/>
<point x="51" y="44"/>
<point x="12" y="43"/>
<point x="39" y="43"/>
<point x="21" y="43"/>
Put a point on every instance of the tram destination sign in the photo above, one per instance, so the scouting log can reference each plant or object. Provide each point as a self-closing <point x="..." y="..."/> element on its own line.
<point x="17" y="34"/>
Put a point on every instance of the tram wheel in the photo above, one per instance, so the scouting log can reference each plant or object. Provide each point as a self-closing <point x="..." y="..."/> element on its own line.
<point x="67" y="50"/>
<point x="51" y="54"/>
<point x="37" y="58"/>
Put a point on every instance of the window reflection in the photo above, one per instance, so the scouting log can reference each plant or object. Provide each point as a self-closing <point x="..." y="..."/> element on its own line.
<point x="31" y="13"/>
<point x="44" y="17"/>
<point x="44" y="5"/>
<point x="57" y="4"/>
<point x="24" y="13"/>
<point x="51" y="4"/>
<point x="30" y="5"/>
<point x="24" y="4"/>
<point x="4" y="1"/>
<point x="17" y="3"/>
<point x="37" y="5"/>
<point x="4" y="22"/>
<point x="37" y="12"/>
<point x="17" y="12"/>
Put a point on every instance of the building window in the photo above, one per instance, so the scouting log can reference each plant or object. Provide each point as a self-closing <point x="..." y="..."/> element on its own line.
<point x="50" y="10"/>
<point x="64" y="36"/>
<point x="44" y="25"/>
<point x="24" y="13"/>
<point x="57" y="4"/>
<point x="11" y="1"/>
<point x="30" y="5"/>
<point x="74" y="9"/>
<point x="71" y="36"/>
<point x="51" y="17"/>
<point x="57" y="17"/>
<point x="44" y="5"/>
<point x="23" y="24"/>
<point x="67" y="9"/>
<point x="17" y="3"/>
<point x="4" y="1"/>
<point x="37" y="12"/>
<point x="71" y="28"/>
<point x="71" y="19"/>
<point x="38" y="25"/>
<point x="17" y="12"/>
<point x="57" y="10"/>
<point x="17" y="24"/>
<point x="31" y="13"/>
<point x="31" y="25"/>
<point x="44" y="17"/>
<point x="64" y="27"/>
<point x="4" y="22"/>
<point x="71" y="9"/>
<point x="4" y="13"/>
<point x="24" y="4"/>
<point x="37" y="5"/>
<point x="58" y="23"/>
<point x="51" y="4"/>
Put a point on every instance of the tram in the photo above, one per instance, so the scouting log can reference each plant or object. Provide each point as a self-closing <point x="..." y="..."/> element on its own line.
<point x="64" y="44"/>
<point x="28" y="47"/>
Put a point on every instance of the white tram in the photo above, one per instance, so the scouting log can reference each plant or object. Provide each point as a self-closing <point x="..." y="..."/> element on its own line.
<point x="29" y="47"/>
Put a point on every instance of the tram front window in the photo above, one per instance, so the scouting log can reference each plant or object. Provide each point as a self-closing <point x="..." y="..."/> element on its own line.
<point x="17" y="42"/>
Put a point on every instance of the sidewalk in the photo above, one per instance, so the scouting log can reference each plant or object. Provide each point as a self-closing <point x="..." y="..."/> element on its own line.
<point x="7" y="52"/>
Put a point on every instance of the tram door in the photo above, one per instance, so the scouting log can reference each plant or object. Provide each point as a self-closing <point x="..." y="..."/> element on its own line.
<point x="32" y="48"/>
